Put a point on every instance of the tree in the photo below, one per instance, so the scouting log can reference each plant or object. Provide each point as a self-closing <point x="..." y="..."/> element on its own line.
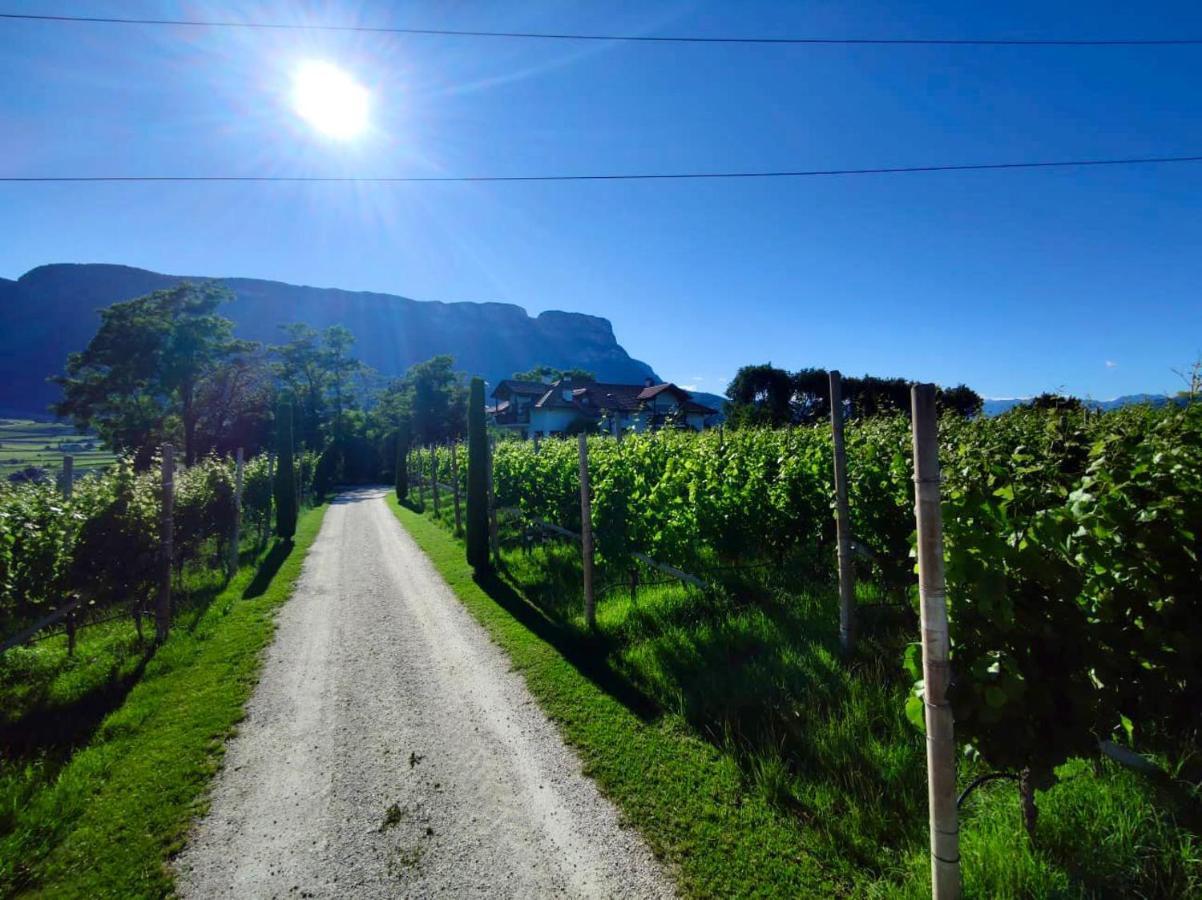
<point x="477" y="480"/>
<point x="760" y="395"/>
<point x="138" y="381"/>
<point x="285" y="473"/>
<point x="1048" y="401"/>
<point x="961" y="399"/>
<point x="549" y="374"/>
<point x="402" y="462"/>
<point x="340" y="368"/>
<point x="429" y="397"/>
<point x="300" y="366"/>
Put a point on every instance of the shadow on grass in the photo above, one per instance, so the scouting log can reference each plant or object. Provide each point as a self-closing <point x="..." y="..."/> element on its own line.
<point x="51" y="729"/>
<point x="267" y="568"/>
<point x="588" y="654"/>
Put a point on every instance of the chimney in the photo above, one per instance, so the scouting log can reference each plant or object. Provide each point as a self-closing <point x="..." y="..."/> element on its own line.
<point x="648" y="382"/>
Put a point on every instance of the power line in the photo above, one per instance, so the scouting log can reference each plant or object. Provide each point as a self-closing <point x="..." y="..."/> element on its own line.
<point x="648" y="39"/>
<point x="635" y="176"/>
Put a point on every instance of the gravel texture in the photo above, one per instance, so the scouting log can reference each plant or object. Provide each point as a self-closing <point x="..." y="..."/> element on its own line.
<point x="390" y="751"/>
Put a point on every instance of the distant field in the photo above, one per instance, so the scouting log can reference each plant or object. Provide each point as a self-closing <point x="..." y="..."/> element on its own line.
<point x="24" y="443"/>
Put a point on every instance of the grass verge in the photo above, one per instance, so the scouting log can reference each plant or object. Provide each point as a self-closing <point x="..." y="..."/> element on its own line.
<point x="106" y="823"/>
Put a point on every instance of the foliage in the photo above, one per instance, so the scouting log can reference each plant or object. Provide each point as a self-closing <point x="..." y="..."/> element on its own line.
<point x="142" y="377"/>
<point x="477" y="480"/>
<point x="550" y="374"/>
<point x="764" y="395"/>
<point x="431" y="398"/>
<point x="1072" y="551"/>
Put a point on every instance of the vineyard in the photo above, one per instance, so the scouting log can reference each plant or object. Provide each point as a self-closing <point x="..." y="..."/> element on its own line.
<point x="1073" y="583"/>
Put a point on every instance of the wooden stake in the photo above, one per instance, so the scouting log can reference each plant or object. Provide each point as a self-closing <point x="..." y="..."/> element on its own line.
<point x="266" y="525"/>
<point x="236" y="537"/>
<point x="493" y="540"/>
<point x="847" y="572"/>
<point x="162" y="611"/>
<point x="434" y="476"/>
<point x="67" y="477"/>
<point x="455" y="485"/>
<point x="941" y="744"/>
<point x="586" y="534"/>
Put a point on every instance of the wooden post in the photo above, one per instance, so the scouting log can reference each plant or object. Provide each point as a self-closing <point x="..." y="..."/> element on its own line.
<point x="434" y="475"/>
<point x="586" y="534"/>
<point x="162" y="611"/>
<point x="537" y="442"/>
<point x="67" y="477"/>
<point x="455" y="485"/>
<point x="941" y="744"/>
<point x="847" y="572"/>
<point x="493" y="539"/>
<point x="236" y="536"/>
<point x="634" y="585"/>
<point x="265" y="528"/>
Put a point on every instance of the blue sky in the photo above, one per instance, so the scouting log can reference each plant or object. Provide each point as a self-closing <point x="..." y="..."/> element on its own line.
<point x="1014" y="282"/>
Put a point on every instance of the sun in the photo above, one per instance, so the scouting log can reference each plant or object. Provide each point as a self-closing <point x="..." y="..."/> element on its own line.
<point x="330" y="99"/>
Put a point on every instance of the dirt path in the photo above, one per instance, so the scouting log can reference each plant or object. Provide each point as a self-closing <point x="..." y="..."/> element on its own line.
<point x="389" y="751"/>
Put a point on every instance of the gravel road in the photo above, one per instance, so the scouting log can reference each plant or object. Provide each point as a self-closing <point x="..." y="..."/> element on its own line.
<point x="390" y="751"/>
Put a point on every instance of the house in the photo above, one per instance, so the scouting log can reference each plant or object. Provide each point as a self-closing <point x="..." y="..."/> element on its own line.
<point x="534" y="409"/>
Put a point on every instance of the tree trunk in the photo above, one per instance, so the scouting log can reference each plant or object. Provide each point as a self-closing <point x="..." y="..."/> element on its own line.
<point x="1026" y="793"/>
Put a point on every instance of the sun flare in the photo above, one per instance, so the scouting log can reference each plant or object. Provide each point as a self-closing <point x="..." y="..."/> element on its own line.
<point x="330" y="99"/>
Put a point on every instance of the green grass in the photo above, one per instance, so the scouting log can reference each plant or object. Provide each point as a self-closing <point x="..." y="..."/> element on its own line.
<point x="777" y="769"/>
<point x="103" y="821"/>
<point x="25" y="443"/>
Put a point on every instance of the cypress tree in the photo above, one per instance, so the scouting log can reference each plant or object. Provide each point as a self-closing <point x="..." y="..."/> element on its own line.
<point x="477" y="479"/>
<point x="285" y="473"/>
<point x="402" y="461"/>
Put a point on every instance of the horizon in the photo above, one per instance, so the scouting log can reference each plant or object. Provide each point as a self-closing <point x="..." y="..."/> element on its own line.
<point x="1015" y="283"/>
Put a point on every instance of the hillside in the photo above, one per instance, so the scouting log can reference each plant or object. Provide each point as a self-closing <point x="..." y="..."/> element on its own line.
<point x="51" y="311"/>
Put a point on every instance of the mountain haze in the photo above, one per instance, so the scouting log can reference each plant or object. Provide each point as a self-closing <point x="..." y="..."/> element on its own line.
<point x="53" y="310"/>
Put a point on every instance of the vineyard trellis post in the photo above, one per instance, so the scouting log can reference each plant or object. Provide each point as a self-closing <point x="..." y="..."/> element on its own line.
<point x="455" y="485"/>
<point x="162" y="611"/>
<point x="236" y="536"/>
<point x="434" y="476"/>
<point x="265" y="526"/>
<point x="586" y="534"/>
<point x="494" y="542"/>
<point x="847" y="574"/>
<point x="941" y="745"/>
<point x="67" y="477"/>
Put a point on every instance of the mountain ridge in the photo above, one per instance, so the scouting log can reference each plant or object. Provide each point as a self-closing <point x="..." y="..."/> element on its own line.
<point x="53" y="310"/>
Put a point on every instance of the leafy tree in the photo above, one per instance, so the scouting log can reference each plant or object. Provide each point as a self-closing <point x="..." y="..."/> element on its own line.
<point x="760" y="395"/>
<point x="477" y="480"/>
<point x="430" y="397"/>
<point x="285" y="475"/>
<point x="961" y="399"/>
<point x="1058" y="402"/>
<point x="141" y="377"/>
<point x="340" y="370"/>
<point x="300" y="366"/>
<point x="550" y="374"/>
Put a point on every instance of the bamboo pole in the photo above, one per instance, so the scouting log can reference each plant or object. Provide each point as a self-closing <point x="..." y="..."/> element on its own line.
<point x="586" y="534"/>
<point x="236" y="536"/>
<point x="455" y="485"/>
<point x="847" y="572"/>
<point x="162" y="610"/>
<point x="941" y="745"/>
<point x="67" y="478"/>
